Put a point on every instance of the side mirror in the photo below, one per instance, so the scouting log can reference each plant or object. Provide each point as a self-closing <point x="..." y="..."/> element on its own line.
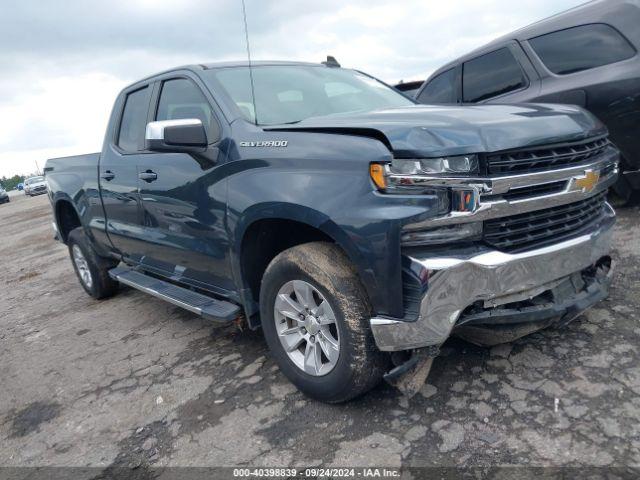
<point x="181" y="135"/>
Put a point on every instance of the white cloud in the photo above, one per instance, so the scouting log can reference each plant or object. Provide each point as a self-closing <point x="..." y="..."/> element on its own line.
<point x="64" y="114"/>
<point x="67" y="108"/>
<point x="64" y="62"/>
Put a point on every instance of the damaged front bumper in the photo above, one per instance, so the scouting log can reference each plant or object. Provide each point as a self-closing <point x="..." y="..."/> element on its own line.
<point x="492" y="295"/>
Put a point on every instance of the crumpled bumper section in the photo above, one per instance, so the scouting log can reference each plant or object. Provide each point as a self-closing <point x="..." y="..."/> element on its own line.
<point x="506" y="292"/>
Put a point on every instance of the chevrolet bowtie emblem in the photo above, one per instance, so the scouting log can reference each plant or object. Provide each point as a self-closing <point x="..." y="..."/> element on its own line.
<point x="586" y="182"/>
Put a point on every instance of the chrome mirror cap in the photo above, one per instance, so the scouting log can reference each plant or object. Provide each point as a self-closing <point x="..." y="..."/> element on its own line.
<point x="156" y="130"/>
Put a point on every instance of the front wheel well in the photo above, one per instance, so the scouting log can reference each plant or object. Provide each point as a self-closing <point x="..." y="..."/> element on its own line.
<point x="67" y="219"/>
<point x="265" y="239"/>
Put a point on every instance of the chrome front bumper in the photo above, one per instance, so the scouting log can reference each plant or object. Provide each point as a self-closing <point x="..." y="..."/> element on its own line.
<point x="453" y="283"/>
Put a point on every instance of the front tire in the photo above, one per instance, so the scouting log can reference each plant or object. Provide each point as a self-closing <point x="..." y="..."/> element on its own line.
<point x="91" y="269"/>
<point x="315" y="318"/>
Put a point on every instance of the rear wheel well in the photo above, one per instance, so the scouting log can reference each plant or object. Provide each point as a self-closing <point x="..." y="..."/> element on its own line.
<point x="66" y="218"/>
<point x="265" y="239"/>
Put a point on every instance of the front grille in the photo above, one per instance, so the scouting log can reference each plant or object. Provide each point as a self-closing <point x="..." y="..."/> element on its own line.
<point x="535" y="190"/>
<point x="537" y="229"/>
<point x="537" y="159"/>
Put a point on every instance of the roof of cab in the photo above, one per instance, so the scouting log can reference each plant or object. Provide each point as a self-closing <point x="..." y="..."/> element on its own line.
<point x="229" y="64"/>
<point x="245" y="63"/>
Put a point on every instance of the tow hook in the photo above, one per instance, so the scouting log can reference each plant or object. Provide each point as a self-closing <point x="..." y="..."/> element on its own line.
<point x="409" y="376"/>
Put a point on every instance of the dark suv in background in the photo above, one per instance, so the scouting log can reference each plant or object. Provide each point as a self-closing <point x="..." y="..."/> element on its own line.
<point x="586" y="56"/>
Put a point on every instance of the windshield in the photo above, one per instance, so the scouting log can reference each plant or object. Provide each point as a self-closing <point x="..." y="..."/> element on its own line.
<point x="291" y="93"/>
<point x="34" y="180"/>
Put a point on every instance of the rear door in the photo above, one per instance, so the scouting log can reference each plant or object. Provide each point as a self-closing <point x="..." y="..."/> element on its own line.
<point x="118" y="174"/>
<point x="581" y="59"/>
<point x="183" y="197"/>
<point x="594" y="66"/>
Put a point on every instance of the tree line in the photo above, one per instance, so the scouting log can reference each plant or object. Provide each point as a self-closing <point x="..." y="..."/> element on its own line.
<point x="11" y="182"/>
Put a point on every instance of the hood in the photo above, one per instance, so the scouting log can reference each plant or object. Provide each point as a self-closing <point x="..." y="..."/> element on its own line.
<point x="429" y="130"/>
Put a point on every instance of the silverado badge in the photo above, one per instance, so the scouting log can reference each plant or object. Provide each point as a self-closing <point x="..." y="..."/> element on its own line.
<point x="266" y="143"/>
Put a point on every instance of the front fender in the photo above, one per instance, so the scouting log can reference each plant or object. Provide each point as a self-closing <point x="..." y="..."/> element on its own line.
<point x="364" y="231"/>
<point x="297" y="213"/>
<point x="322" y="180"/>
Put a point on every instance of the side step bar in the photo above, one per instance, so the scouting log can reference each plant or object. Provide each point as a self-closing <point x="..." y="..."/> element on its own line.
<point x="207" y="307"/>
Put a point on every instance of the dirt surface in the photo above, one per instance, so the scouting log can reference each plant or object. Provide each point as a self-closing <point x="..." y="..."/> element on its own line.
<point x="133" y="381"/>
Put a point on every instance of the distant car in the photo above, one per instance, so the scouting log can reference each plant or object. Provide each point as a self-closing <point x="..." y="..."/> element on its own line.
<point x="35" y="186"/>
<point x="409" y="88"/>
<point x="4" y="196"/>
<point x="586" y="56"/>
<point x="20" y="186"/>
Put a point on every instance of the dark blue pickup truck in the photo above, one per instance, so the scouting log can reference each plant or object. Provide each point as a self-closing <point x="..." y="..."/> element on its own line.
<point x="358" y="229"/>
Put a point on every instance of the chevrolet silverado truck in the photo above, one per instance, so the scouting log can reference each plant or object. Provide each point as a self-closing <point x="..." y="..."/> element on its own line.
<point x="358" y="229"/>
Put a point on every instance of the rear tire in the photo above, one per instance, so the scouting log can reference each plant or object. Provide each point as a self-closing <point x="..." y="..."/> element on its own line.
<point x="332" y="278"/>
<point x="91" y="269"/>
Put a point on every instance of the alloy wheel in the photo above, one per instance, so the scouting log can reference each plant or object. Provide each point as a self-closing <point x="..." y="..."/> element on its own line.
<point x="307" y="328"/>
<point x="82" y="266"/>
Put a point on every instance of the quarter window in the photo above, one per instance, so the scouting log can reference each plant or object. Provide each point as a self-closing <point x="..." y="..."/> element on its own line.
<point x="440" y="89"/>
<point x="581" y="48"/>
<point x="180" y="99"/>
<point x="133" y="123"/>
<point x="490" y="75"/>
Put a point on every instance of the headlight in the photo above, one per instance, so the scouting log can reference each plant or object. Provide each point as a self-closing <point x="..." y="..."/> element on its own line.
<point x="415" y="176"/>
<point x="463" y="164"/>
<point x="452" y="180"/>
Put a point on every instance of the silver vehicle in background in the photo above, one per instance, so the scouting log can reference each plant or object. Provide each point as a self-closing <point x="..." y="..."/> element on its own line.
<point x="35" y="186"/>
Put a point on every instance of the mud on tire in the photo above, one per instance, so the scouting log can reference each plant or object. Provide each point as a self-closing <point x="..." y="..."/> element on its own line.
<point x="360" y="365"/>
<point x="101" y="285"/>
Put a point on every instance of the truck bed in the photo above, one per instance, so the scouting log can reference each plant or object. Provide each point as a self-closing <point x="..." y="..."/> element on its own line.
<point x="73" y="161"/>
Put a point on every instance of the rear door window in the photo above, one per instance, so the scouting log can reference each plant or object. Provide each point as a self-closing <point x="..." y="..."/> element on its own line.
<point x="490" y="75"/>
<point x="134" y="118"/>
<point x="581" y="48"/>
<point x="440" y="89"/>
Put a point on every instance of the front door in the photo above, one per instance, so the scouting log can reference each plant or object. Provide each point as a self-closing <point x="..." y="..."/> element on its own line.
<point x="183" y="199"/>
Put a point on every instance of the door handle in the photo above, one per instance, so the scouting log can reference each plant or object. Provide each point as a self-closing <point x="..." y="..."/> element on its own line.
<point x="148" y="176"/>
<point x="108" y="175"/>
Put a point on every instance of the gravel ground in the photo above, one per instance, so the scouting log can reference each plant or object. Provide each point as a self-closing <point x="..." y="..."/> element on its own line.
<point x="133" y="381"/>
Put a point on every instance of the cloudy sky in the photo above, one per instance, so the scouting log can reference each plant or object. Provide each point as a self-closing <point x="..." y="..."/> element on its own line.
<point x="63" y="62"/>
